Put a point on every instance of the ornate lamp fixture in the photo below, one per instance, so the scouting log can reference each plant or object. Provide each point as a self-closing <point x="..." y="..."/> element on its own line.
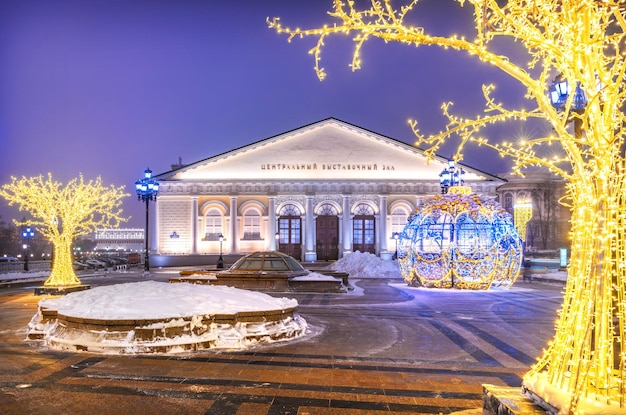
<point x="451" y="176"/>
<point x="147" y="190"/>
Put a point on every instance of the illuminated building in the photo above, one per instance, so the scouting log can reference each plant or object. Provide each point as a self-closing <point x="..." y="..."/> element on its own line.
<point x="119" y="239"/>
<point x="325" y="189"/>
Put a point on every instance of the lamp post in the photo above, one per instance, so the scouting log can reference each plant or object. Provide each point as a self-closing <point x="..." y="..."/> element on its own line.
<point x="396" y="236"/>
<point x="559" y="93"/>
<point x="277" y="238"/>
<point x="220" y="260"/>
<point x="27" y="234"/>
<point x="147" y="190"/>
<point x="451" y="176"/>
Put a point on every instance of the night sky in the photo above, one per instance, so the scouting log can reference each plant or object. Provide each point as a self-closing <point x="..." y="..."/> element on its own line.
<point x="107" y="88"/>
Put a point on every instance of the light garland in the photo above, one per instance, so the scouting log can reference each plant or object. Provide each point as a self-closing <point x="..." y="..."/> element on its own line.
<point x="460" y="240"/>
<point x="583" y="42"/>
<point x="522" y="213"/>
<point x="62" y="213"/>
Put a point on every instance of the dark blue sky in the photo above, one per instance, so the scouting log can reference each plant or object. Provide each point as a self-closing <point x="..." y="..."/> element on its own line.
<point x="109" y="87"/>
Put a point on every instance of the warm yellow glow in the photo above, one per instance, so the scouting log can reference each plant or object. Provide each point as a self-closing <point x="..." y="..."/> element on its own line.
<point x="583" y="42"/>
<point x="522" y="212"/>
<point x="62" y="213"/>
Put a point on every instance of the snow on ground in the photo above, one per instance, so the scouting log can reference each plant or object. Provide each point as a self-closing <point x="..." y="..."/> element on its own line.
<point x="17" y="276"/>
<point x="365" y="265"/>
<point x="314" y="276"/>
<point x="151" y="299"/>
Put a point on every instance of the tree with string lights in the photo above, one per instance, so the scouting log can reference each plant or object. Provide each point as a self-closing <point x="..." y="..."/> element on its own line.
<point x="63" y="213"/>
<point x="574" y="75"/>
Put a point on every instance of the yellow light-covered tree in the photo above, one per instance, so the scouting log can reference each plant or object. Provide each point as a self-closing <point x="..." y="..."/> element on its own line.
<point x="63" y="213"/>
<point x="580" y="42"/>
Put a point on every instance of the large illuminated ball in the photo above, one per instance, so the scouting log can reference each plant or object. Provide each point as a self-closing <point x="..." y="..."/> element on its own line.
<point x="460" y="240"/>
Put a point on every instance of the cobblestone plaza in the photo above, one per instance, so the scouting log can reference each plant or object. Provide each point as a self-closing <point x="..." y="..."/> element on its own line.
<point x="383" y="348"/>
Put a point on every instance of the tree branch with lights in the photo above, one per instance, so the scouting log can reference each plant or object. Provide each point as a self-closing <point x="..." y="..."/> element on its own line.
<point x="63" y="213"/>
<point x="580" y="44"/>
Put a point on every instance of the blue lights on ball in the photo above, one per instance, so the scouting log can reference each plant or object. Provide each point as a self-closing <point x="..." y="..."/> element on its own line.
<point x="460" y="240"/>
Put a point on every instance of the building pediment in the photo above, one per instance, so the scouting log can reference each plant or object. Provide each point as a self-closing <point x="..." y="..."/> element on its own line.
<point x="326" y="150"/>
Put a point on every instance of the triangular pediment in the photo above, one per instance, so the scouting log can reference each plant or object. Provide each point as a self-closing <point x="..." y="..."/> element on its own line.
<point x="326" y="150"/>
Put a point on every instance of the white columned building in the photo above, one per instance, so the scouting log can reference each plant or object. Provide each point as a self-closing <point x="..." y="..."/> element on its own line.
<point x="317" y="193"/>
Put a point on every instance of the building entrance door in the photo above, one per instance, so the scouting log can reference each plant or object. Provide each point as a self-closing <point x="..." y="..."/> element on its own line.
<point x="327" y="231"/>
<point x="363" y="234"/>
<point x="290" y="236"/>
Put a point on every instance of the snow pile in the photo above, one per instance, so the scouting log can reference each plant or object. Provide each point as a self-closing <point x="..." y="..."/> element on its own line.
<point x="314" y="276"/>
<point x="365" y="265"/>
<point x="183" y="314"/>
<point x="24" y="276"/>
<point x="152" y="299"/>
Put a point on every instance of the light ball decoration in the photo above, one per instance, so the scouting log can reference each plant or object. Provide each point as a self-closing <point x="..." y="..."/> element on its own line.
<point x="460" y="240"/>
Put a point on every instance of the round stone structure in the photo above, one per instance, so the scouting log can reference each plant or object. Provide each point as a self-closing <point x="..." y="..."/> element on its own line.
<point x="268" y="261"/>
<point x="269" y="271"/>
<point x="460" y="240"/>
<point x="157" y="317"/>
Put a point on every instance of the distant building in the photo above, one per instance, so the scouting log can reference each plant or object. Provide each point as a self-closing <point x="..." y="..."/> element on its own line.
<point x="119" y="239"/>
<point x="548" y="229"/>
<point x="316" y="193"/>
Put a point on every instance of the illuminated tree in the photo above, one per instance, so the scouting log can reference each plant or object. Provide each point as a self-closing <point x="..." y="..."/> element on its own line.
<point x="581" y="42"/>
<point x="62" y="213"/>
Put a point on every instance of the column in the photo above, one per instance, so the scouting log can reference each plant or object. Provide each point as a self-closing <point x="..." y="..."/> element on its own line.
<point x="156" y="223"/>
<point x="383" y="224"/>
<point x="347" y="225"/>
<point x="271" y="228"/>
<point x="233" y="225"/>
<point x="194" y="225"/>
<point x="310" y="254"/>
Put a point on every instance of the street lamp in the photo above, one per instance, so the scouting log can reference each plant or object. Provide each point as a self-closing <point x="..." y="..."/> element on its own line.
<point x="559" y="93"/>
<point x="27" y="234"/>
<point x="220" y="260"/>
<point x="396" y="236"/>
<point x="451" y="176"/>
<point x="147" y="190"/>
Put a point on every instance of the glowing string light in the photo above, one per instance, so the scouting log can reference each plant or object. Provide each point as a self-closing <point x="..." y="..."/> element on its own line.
<point x="582" y="41"/>
<point x="522" y="212"/>
<point x="62" y="213"/>
<point x="460" y="240"/>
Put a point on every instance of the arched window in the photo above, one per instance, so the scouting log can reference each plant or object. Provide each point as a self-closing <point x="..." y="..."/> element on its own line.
<point x="363" y="210"/>
<point x="399" y="218"/>
<point x="252" y="224"/>
<point x="213" y="224"/>
<point x="364" y="229"/>
<point x="289" y="210"/>
<point x="327" y="210"/>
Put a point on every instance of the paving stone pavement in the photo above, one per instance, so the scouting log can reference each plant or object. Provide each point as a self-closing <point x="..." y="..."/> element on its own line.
<point x="383" y="348"/>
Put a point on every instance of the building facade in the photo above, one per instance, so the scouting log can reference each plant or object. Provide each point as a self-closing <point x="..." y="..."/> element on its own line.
<point x="119" y="239"/>
<point x="547" y="231"/>
<point x="317" y="193"/>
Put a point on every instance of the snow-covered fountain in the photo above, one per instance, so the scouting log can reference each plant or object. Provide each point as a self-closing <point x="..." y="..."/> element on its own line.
<point x="157" y="317"/>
